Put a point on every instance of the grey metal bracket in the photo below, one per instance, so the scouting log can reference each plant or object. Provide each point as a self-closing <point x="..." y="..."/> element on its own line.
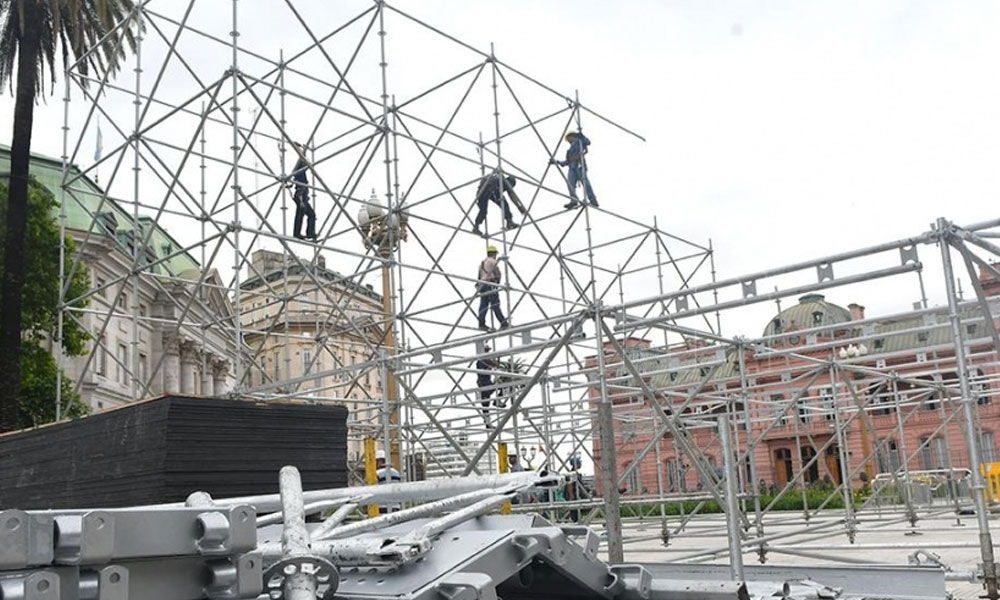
<point x="749" y="288"/>
<point x="681" y="302"/>
<point x="467" y="586"/>
<point x="31" y="585"/>
<point x="824" y="272"/>
<point x="639" y="590"/>
<point x="101" y="536"/>
<point x="591" y="541"/>
<point x="25" y="539"/>
<point x="908" y="254"/>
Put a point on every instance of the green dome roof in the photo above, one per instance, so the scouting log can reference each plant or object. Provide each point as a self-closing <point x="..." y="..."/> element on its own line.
<point x="812" y="311"/>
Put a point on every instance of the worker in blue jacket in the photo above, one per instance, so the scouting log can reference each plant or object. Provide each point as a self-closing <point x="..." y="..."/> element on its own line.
<point x="578" y="144"/>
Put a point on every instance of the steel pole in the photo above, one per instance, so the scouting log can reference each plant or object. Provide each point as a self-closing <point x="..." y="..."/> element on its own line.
<point x="985" y="539"/>
<point x="732" y="501"/>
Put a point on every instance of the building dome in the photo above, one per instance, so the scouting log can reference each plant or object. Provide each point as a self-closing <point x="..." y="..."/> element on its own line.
<point x="812" y="311"/>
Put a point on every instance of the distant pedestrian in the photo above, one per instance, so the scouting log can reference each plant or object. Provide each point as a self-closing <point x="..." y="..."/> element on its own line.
<point x="301" y="197"/>
<point x="492" y="189"/>
<point x="488" y="287"/>
<point x="384" y="476"/>
<point x="577" y="173"/>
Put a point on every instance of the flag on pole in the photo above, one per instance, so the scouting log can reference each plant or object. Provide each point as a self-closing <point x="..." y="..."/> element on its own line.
<point x="99" y="145"/>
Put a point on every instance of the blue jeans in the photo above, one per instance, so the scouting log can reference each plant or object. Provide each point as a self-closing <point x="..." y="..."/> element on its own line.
<point x="576" y="175"/>
<point x="489" y="298"/>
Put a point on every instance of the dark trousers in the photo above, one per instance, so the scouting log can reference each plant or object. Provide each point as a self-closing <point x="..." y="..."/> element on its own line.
<point x="484" y="395"/>
<point x="484" y="202"/>
<point x="489" y="298"/>
<point x="303" y="208"/>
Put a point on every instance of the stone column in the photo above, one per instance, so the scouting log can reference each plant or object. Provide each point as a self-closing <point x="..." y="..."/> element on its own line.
<point x="171" y="364"/>
<point x="220" y="376"/>
<point x="189" y="365"/>
<point x="208" y="375"/>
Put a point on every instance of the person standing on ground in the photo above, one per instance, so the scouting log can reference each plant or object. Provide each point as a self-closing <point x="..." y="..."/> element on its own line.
<point x="492" y="189"/>
<point x="488" y="286"/>
<point x="578" y="144"/>
<point x="301" y="197"/>
<point x="384" y="476"/>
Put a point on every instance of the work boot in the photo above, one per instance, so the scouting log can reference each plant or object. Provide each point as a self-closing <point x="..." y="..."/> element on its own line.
<point x="512" y="225"/>
<point x="572" y="204"/>
<point x="594" y="203"/>
<point x="477" y="231"/>
<point x="505" y="325"/>
<point x="483" y="327"/>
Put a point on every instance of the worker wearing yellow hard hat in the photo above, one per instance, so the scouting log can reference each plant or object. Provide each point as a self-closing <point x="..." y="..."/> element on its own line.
<point x="488" y="287"/>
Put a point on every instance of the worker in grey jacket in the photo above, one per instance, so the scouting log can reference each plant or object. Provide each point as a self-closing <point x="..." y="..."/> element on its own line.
<point x="488" y="287"/>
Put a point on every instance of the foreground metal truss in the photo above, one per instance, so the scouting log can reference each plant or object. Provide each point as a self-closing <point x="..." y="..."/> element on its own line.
<point x="581" y="286"/>
<point x="453" y="548"/>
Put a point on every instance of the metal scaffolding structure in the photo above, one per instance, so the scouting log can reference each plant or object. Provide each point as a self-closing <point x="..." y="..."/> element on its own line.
<point x="606" y="310"/>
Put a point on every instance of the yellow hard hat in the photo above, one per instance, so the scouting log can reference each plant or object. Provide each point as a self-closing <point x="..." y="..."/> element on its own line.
<point x="492" y="250"/>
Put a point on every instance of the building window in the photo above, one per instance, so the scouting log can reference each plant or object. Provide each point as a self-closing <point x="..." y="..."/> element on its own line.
<point x="923" y="336"/>
<point x="102" y="356"/>
<point x="277" y="366"/>
<point x="123" y="301"/>
<point x="933" y="401"/>
<point x="122" y="367"/>
<point x="142" y="368"/>
<point x="783" y="469"/>
<point x="928" y="461"/>
<point x="778" y="401"/>
<point x="802" y="408"/>
<point x="811" y="471"/>
<point x="777" y="325"/>
<point x="306" y="361"/>
<point x="826" y="401"/>
<point x="979" y="388"/>
<point x="879" y="343"/>
<point x="971" y="328"/>
<point x="101" y="290"/>
<point x="817" y="317"/>
<point x="142" y="310"/>
<point x="987" y="450"/>
<point x="888" y="456"/>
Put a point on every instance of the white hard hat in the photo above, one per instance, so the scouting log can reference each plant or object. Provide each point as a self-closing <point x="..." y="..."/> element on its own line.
<point x="363" y="217"/>
<point x="380" y="455"/>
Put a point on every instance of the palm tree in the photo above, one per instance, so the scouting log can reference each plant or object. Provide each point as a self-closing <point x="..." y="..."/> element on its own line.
<point x="31" y="31"/>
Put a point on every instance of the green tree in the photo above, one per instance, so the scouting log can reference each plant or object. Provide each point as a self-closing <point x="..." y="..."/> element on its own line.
<point x="40" y="310"/>
<point x="31" y="31"/>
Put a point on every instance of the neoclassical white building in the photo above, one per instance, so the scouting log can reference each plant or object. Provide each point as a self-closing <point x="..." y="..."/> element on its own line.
<point x="158" y="332"/>
<point x="301" y="320"/>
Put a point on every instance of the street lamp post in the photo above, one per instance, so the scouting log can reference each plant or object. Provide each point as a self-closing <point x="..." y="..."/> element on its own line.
<point x="382" y="232"/>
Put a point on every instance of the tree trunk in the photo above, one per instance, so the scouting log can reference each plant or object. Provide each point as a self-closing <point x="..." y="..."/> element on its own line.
<point x="17" y="216"/>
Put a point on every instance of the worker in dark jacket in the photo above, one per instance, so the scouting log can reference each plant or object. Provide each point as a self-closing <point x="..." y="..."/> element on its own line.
<point x="578" y="144"/>
<point x="492" y="189"/>
<point x="484" y="382"/>
<point x="301" y="197"/>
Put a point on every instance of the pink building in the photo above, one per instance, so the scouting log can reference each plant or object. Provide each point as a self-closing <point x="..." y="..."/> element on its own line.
<point x="817" y="365"/>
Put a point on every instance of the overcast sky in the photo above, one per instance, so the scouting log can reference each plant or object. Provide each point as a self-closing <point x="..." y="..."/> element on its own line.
<point x="780" y="130"/>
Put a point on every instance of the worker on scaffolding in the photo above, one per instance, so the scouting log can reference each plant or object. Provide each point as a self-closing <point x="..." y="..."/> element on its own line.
<point x="301" y="197"/>
<point x="492" y="188"/>
<point x="578" y="144"/>
<point x="384" y="476"/>
<point x="488" y="288"/>
<point x="484" y="382"/>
